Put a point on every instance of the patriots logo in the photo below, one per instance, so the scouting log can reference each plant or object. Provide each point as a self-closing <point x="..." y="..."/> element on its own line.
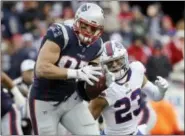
<point x="85" y="8"/>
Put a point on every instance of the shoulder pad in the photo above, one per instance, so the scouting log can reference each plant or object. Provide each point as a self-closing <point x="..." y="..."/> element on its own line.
<point x="58" y="34"/>
<point x="138" y="66"/>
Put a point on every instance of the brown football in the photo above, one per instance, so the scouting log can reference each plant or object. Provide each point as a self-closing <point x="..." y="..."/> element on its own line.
<point x="93" y="91"/>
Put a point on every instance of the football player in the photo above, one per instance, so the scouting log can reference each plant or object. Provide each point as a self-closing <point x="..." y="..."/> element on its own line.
<point x="23" y="83"/>
<point x="10" y="114"/>
<point x="64" y="57"/>
<point x="120" y="103"/>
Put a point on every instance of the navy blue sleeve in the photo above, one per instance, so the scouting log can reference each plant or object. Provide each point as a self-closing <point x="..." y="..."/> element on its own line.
<point x="55" y="34"/>
<point x="100" y="48"/>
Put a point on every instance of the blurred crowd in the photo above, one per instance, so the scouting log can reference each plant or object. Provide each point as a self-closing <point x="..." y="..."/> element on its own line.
<point x="152" y="38"/>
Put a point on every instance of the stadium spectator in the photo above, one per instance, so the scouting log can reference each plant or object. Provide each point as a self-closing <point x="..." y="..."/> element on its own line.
<point x="124" y="35"/>
<point x="138" y="51"/>
<point x="175" y="48"/>
<point x="110" y="18"/>
<point x="158" y="64"/>
<point x="154" y="20"/>
<point x="15" y="54"/>
<point x="125" y="11"/>
<point x="167" y="27"/>
<point x="138" y="23"/>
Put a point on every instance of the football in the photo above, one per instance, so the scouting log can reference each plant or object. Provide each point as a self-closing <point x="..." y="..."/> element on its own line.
<point x="93" y="91"/>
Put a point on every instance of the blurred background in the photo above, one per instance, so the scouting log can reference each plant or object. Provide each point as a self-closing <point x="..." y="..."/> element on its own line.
<point x="152" y="32"/>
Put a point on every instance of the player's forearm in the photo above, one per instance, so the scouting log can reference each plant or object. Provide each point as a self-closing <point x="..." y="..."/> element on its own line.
<point x="95" y="112"/>
<point x="50" y="71"/>
<point x="6" y="81"/>
<point x="153" y="91"/>
<point x="95" y="109"/>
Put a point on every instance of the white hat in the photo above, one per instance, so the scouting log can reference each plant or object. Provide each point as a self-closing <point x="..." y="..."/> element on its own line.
<point x="28" y="37"/>
<point x="27" y="65"/>
<point x="180" y="34"/>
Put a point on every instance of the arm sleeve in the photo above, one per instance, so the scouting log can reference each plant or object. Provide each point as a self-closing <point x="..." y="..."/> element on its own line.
<point x="57" y="33"/>
<point x="139" y="67"/>
<point x="153" y="91"/>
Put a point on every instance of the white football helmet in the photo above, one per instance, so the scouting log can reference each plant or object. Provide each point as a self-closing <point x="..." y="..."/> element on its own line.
<point x="115" y="58"/>
<point x="89" y="14"/>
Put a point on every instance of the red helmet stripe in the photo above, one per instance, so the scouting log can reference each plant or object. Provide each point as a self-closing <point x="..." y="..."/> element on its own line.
<point x="109" y="49"/>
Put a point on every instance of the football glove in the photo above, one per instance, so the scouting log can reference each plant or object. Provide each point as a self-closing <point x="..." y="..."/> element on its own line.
<point x="110" y="78"/>
<point x="18" y="97"/>
<point x="86" y="73"/>
<point x="162" y="84"/>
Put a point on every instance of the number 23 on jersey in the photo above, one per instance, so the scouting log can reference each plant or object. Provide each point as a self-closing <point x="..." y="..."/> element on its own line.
<point x="126" y="114"/>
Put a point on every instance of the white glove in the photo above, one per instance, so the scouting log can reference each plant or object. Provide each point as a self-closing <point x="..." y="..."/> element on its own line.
<point x="18" y="97"/>
<point x="162" y="84"/>
<point x="86" y="73"/>
<point x="110" y="78"/>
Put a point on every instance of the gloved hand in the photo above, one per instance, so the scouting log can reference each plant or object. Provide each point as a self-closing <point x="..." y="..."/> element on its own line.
<point x="89" y="73"/>
<point x="86" y="73"/>
<point x="110" y="78"/>
<point x="18" y="97"/>
<point x="162" y="84"/>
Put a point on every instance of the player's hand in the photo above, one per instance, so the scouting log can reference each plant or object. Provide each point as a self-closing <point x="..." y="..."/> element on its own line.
<point x="18" y="97"/>
<point x="110" y="78"/>
<point x="162" y="84"/>
<point x="89" y="73"/>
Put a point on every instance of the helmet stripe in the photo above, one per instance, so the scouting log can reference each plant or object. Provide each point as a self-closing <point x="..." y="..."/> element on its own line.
<point x="109" y="49"/>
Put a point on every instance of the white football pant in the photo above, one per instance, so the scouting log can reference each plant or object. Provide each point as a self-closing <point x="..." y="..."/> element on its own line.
<point x="73" y="114"/>
<point x="11" y="122"/>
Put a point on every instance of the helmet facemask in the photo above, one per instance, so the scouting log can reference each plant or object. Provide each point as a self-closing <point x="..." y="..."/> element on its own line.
<point x="87" y="32"/>
<point x="118" y="66"/>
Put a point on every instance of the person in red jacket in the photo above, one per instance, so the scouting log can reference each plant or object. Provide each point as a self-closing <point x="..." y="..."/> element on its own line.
<point x="125" y="12"/>
<point x="138" y="51"/>
<point x="175" y="48"/>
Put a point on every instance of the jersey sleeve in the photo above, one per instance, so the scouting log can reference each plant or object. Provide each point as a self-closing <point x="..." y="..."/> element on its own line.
<point x="139" y="67"/>
<point x="100" y="49"/>
<point x="57" y="33"/>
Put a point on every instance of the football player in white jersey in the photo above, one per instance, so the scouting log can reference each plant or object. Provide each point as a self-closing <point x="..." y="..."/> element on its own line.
<point x="120" y="103"/>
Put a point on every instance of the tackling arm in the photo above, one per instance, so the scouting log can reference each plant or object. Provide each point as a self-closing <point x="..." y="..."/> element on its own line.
<point x="96" y="106"/>
<point x="155" y="92"/>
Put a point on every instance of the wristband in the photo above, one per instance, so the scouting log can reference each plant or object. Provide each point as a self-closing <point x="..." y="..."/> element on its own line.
<point x="72" y="73"/>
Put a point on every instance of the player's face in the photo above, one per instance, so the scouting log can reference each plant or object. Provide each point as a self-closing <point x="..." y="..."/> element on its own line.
<point x="85" y="28"/>
<point x="88" y="32"/>
<point x="115" y="65"/>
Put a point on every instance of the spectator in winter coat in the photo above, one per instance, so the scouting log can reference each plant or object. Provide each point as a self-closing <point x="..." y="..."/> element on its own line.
<point x="158" y="64"/>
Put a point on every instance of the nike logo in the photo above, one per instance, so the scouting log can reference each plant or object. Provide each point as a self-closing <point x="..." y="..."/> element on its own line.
<point x="45" y="112"/>
<point x="76" y="97"/>
<point x="129" y="91"/>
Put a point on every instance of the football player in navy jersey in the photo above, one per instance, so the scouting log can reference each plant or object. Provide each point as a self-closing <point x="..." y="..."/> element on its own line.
<point x="64" y="58"/>
<point x="11" y="101"/>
